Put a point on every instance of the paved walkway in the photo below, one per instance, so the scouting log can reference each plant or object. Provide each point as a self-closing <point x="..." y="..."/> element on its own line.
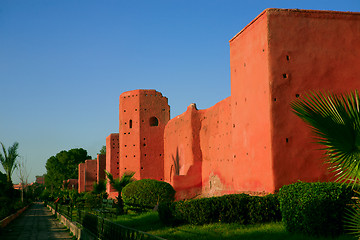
<point x="38" y="223"/>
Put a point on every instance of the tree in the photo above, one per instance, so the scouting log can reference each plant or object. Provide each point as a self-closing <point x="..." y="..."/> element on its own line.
<point x="335" y="122"/>
<point x="103" y="150"/>
<point x="63" y="166"/>
<point x="118" y="184"/>
<point x="99" y="188"/>
<point x="8" y="160"/>
<point x="23" y="175"/>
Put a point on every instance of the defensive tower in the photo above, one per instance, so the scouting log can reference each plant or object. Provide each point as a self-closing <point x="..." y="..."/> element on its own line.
<point x="143" y="115"/>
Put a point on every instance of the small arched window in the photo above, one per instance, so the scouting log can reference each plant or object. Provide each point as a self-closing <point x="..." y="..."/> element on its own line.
<point x="130" y="123"/>
<point x="154" y="122"/>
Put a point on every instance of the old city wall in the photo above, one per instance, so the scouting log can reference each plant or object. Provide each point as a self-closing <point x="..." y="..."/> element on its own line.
<point x="143" y="115"/>
<point x="309" y="50"/>
<point x="218" y="172"/>
<point x="183" y="158"/>
<point x="112" y="161"/>
<point x="100" y="167"/>
<point x="81" y="178"/>
<point x="250" y="96"/>
<point x="90" y="174"/>
<point x="251" y="141"/>
<point x="198" y="151"/>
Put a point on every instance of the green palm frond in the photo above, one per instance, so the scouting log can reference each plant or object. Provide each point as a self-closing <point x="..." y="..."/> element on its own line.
<point x="335" y="122"/>
<point x="352" y="218"/>
<point x="8" y="160"/>
<point x="119" y="183"/>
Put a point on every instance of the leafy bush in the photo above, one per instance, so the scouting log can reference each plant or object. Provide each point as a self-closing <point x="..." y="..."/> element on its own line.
<point x="146" y="194"/>
<point x="264" y="209"/>
<point x="234" y="208"/>
<point x="92" y="200"/>
<point x="6" y="207"/>
<point x="314" y="208"/>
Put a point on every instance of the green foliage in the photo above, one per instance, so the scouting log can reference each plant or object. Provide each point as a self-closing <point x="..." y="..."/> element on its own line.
<point x="99" y="188"/>
<point x="8" y="159"/>
<point x="314" y="208"/>
<point x="45" y="195"/>
<point x="6" y="207"/>
<point x="147" y="193"/>
<point x="264" y="209"/>
<point x="352" y="217"/>
<point x="150" y="223"/>
<point x="103" y="150"/>
<point x="234" y="208"/>
<point x="335" y="121"/>
<point x="93" y="201"/>
<point x="63" y="166"/>
<point x="119" y="184"/>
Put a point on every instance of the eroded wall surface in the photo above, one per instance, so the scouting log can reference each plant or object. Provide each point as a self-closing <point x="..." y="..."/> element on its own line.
<point x="183" y="159"/>
<point x="218" y="171"/>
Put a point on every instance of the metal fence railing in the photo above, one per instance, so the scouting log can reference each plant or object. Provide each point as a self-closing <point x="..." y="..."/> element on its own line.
<point x="101" y="227"/>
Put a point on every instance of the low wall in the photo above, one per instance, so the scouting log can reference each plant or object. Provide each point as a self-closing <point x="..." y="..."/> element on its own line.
<point x="9" y="219"/>
<point x="74" y="227"/>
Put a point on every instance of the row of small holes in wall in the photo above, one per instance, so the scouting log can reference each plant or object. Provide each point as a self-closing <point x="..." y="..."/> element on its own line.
<point x="144" y="155"/>
<point x="146" y="109"/>
<point x="145" y="95"/>
<point x="131" y="96"/>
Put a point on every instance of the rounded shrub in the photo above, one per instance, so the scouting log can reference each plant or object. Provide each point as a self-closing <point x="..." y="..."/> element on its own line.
<point x="314" y="208"/>
<point x="146" y="194"/>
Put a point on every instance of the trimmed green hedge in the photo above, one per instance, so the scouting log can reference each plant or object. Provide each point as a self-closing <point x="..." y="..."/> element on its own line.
<point x="146" y="194"/>
<point x="238" y="208"/>
<point x="314" y="208"/>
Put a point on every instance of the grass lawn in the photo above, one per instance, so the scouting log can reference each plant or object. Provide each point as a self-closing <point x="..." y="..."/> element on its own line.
<point x="149" y="222"/>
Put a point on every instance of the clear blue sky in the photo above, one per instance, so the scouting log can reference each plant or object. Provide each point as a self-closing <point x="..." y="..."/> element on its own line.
<point x="64" y="63"/>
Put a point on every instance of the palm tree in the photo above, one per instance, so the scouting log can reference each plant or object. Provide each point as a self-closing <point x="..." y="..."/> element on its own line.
<point x="8" y="160"/>
<point x="118" y="184"/>
<point x="335" y="122"/>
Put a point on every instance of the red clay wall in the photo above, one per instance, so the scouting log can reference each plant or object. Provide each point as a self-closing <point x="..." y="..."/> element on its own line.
<point x="250" y="97"/>
<point x="81" y="178"/>
<point x="112" y="161"/>
<point x="71" y="184"/>
<point x="141" y="145"/>
<point x="90" y="174"/>
<point x="40" y="180"/>
<point x="216" y="147"/>
<point x="100" y="167"/>
<point x="182" y="149"/>
<point x="275" y="59"/>
<point x="129" y="134"/>
<point x="309" y="50"/>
